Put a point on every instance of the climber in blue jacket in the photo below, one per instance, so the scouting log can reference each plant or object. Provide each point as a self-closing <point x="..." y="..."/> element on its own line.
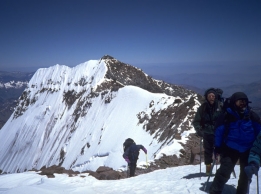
<point x="236" y="130"/>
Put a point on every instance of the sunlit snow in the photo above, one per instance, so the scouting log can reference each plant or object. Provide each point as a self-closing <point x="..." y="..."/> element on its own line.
<point x="177" y="180"/>
<point x="47" y="128"/>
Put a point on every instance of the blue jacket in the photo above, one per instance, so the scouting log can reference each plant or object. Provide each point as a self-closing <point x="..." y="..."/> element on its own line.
<point x="237" y="132"/>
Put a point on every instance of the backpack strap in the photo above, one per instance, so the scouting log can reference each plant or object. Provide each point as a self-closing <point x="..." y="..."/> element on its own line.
<point x="220" y="105"/>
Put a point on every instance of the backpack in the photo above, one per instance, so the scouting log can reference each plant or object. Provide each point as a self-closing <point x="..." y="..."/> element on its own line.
<point x="227" y="103"/>
<point x="134" y="152"/>
<point x="219" y="93"/>
<point x="128" y="142"/>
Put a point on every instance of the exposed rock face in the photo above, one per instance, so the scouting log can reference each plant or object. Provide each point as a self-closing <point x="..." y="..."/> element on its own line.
<point x="165" y="125"/>
<point x="102" y="173"/>
<point x="106" y="173"/>
<point x="130" y="75"/>
<point x="49" y="172"/>
<point x="65" y="103"/>
<point x="167" y="120"/>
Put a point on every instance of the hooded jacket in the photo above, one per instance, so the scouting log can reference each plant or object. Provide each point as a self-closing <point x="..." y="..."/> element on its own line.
<point x="237" y="130"/>
<point x="206" y="115"/>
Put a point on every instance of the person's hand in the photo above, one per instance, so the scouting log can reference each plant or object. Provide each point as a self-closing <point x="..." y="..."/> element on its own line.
<point x="251" y="169"/>
<point x="127" y="160"/>
<point x="145" y="150"/>
<point x="217" y="151"/>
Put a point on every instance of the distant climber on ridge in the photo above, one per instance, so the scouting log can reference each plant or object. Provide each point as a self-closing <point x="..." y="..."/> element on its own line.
<point x="131" y="154"/>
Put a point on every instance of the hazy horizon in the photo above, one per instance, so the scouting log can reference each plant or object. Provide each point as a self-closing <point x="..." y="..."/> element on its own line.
<point x="198" y="74"/>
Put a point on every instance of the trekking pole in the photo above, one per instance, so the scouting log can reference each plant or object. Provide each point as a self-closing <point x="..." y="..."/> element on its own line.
<point x="205" y="186"/>
<point x="248" y="185"/>
<point x="257" y="184"/>
<point x="127" y="170"/>
<point x="213" y="155"/>
<point x="234" y="174"/>
<point x="200" y="158"/>
<point x="147" y="160"/>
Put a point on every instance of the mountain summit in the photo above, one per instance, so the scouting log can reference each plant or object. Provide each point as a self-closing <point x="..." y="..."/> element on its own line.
<point x="79" y="117"/>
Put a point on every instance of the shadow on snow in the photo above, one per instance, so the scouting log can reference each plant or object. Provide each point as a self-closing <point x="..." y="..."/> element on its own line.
<point x="195" y="175"/>
<point x="228" y="189"/>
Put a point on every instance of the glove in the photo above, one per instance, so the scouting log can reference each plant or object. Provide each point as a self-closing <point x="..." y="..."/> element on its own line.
<point x="251" y="169"/>
<point x="200" y="133"/>
<point x="217" y="151"/>
<point x="144" y="149"/>
<point x="127" y="160"/>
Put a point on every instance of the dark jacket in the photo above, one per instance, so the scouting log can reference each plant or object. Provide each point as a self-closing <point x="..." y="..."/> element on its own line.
<point x="237" y="131"/>
<point x="206" y="116"/>
<point x="131" y="154"/>
<point x="255" y="152"/>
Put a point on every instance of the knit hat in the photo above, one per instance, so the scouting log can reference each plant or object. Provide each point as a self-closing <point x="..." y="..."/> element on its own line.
<point x="239" y="95"/>
<point x="210" y="90"/>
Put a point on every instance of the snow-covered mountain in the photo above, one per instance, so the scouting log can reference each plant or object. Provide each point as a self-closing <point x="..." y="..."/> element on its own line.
<point x="12" y="84"/>
<point x="79" y="117"/>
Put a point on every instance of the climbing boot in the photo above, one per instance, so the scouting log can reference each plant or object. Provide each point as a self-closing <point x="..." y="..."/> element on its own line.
<point x="208" y="169"/>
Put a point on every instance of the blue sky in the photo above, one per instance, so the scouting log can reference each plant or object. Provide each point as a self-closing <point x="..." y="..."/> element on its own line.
<point x="143" y="33"/>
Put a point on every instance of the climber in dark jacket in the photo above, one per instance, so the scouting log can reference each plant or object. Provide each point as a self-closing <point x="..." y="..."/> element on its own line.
<point x="204" y="124"/>
<point x="131" y="155"/>
<point x="237" y="128"/>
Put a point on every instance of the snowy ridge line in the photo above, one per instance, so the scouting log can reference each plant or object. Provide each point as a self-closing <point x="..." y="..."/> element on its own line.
<point x="88" y="161"/>
<point x="67" y="115"/>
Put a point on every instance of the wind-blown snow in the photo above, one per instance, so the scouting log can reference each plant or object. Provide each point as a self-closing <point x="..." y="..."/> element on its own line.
<point x="176" y="180"/>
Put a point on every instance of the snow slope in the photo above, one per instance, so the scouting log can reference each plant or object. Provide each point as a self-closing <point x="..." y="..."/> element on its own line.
<point x="65" y="118"/>
<point x="176" y="180"/>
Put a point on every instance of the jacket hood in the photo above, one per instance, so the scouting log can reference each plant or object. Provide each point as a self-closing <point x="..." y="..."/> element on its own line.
<point x="210" y="90"/>
<point x="239" y="95"/>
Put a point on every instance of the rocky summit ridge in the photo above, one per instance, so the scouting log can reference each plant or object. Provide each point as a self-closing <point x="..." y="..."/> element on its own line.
<point x="77" y="118"/>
